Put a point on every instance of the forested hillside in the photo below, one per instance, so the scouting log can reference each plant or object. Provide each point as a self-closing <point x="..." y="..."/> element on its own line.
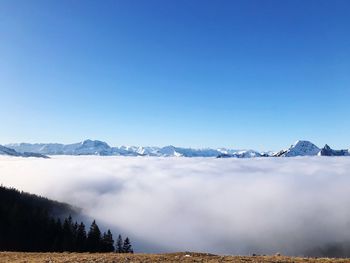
<point x="33" y="223"/>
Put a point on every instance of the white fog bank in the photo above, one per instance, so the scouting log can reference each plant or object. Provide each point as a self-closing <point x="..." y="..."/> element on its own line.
<point x="232" y="206"/>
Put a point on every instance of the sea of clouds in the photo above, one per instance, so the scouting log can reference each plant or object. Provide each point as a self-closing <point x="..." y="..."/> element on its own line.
<point x="228" y="206"/>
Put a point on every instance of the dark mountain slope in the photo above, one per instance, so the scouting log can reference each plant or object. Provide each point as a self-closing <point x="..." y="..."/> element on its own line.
<point x="36" y="224"/>
<point x="26" y="220"/>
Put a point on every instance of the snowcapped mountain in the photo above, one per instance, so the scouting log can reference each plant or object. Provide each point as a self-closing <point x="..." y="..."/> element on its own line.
<point x="8" y="151"/>
<point x="147" y="151"/>
<point x="11" y="152"/>
<point x="187" y="152"/>
<point x="328" y="151"/>
<point x="49" y="148"/>
<point x="242" y="154"/>
<point x="299" y="148"/>
<point x="87" y="147"/>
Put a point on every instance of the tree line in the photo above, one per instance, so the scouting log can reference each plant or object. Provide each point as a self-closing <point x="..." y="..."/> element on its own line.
<point x="27" y="224"/>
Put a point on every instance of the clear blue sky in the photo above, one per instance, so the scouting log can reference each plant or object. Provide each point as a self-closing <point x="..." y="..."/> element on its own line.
<point x="243" y="74"/>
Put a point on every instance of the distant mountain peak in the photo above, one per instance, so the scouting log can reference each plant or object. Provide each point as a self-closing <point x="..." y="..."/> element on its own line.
<point x="328" y="151"/>
<point x="327" y="147"/>
<point x="299" y="148"/>
<point x="90" y="143"/>
<point x="303" y="143"/>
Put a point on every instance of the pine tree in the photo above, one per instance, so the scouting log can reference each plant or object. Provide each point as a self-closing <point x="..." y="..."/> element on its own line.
<point x="94" y="238"/>
<point x="110" y="241"/>
<point x="107" y="242"/>
<point x="50" y="235"/>
<point x="81" y="238"/>
<point x="75" y="235"/>
<point x="57" y="242"/>
<point x="127" y="248"/>
<point x="68" y="235"/>
<point x="119" y="245"/>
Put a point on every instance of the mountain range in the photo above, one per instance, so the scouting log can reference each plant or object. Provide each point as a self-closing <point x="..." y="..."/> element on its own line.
<point x="11" y="152"/>
<point x="96" y="147"/>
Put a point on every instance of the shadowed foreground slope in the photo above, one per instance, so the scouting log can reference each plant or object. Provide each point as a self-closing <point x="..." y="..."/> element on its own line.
<point x="138" y="258"/>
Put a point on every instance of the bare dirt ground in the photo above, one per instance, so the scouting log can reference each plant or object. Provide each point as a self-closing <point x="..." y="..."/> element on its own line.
<point x="17" y="257"/>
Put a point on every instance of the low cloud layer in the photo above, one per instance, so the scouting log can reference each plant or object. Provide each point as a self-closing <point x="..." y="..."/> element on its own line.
<point x="230" y="206"/>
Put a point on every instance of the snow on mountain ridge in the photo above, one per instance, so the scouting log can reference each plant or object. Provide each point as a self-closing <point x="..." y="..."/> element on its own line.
<point x="11" y="152"/>
<point x="95" y="147"/>
<point x="242" y="154"/>
<point x="328" y="151"/>
<point x="299" y="148"/>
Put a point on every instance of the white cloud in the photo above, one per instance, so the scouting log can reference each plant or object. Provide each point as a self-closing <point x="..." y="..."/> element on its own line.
<point x="240" y="206"/>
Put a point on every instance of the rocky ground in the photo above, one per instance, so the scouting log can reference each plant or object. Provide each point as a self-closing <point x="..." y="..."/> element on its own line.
<point x="15" y="257"/>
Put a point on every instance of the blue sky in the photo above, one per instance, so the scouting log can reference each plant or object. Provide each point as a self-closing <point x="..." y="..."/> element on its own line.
<point x="241" y="74"/>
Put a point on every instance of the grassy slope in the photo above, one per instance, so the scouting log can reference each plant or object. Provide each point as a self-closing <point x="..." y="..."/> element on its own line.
<point x="135" y="258"/>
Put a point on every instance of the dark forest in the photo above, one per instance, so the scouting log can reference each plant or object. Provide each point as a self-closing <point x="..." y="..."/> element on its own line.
<point x="36" y="224"/>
